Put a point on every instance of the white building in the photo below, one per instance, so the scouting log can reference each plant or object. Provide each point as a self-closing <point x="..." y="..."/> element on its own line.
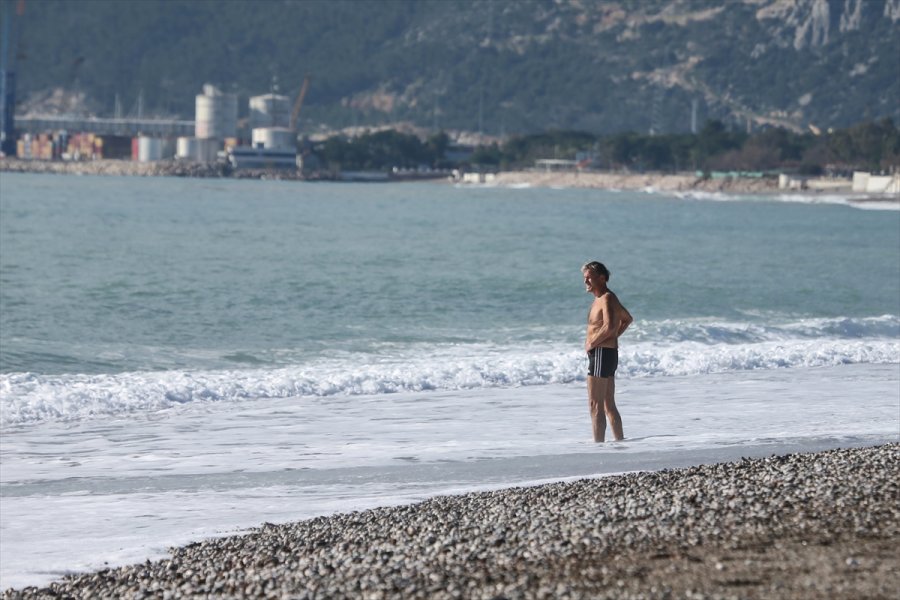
<point x="270" y="111"/>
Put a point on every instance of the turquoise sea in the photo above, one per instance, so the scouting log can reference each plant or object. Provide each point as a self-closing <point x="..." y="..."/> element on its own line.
<point x="111" y="275"/>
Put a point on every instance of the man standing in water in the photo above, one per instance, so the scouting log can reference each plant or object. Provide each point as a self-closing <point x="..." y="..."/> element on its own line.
<point x="607" y="320"/>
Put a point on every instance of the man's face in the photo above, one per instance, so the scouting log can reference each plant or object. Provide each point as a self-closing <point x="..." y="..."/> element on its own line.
<point x="592" y="281"/>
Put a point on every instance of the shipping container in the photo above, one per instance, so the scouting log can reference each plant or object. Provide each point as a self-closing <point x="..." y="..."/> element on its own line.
<point x="115" y="147"/>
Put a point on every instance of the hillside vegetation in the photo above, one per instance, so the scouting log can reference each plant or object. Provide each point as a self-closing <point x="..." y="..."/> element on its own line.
<point x="872" y="146"/>
<point x="496" y="66"/>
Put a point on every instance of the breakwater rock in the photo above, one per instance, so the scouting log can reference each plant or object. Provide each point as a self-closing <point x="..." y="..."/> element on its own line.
<point x="820" y="525"/>
<point x="171" y="168"/>
<point x="162" y="168"/>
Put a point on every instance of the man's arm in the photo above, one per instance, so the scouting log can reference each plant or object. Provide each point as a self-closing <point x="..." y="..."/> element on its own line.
<point x="625" y="321"/>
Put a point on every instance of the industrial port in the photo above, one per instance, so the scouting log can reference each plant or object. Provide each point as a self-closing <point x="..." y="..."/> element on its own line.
<point x="265" y="139"/>
<point x="222" y="139"/>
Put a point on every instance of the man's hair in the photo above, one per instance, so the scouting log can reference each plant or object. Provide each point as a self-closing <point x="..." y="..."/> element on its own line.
<point x="598" y="268"/>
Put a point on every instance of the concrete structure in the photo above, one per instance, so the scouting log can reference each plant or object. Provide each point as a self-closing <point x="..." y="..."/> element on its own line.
<point x="791" y="182"/>
<point x="876" y="184"/>
<point x="186" y="148"/>
<point x="475" y="177"/>
<point x="121" y="127"/>
<point x="555" y="164"/>
<point x="149" y="149"/>
<point x="216" y="114"/>
<point x="819" y="184"/>
<point x="274" y="138"/>
<point x="270" y="110"/>
<point x="208" y="150"/>
<point x="198" y="150"/>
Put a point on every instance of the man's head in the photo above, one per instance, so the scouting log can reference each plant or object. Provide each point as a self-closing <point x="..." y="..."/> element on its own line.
<point x="597" y="268"/>
<point x="595" y="277"/>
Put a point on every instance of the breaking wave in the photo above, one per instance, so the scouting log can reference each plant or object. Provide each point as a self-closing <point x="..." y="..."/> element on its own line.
<point x="665" y="348"/>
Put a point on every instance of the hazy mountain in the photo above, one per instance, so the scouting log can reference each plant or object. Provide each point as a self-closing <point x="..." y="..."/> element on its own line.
<point x="495" y="65"/>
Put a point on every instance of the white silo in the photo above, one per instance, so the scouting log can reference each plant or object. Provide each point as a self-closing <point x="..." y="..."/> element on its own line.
<point x="216" y="116"/>
<point x="274" y="138"/>
<point x="270" y="110"/>
<point x="187" y="148"/>
<point x="149" y="149"/>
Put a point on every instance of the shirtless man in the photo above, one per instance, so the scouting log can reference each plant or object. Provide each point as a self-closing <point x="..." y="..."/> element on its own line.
<point x="607" y="320"/>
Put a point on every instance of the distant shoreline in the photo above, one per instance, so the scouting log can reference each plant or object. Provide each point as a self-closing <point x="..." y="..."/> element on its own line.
<point x="661" y="182"/>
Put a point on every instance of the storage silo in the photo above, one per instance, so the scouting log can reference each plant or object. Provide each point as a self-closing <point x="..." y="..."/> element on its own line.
<point x="274" y="138"/>
<point x="270" y="110"/>
<point x="149" y="149"/>
<point x="187" y="148"/>
<point x="208" y="149"/>
<point x="216" y="114"/>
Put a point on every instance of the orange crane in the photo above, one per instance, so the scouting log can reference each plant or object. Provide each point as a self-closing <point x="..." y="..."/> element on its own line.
<point x="299" y="103"/>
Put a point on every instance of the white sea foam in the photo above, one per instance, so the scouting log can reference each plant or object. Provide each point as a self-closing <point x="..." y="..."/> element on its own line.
<point x="666" y="348"/>
<point x="860" y="201"/>
<point x="702" y="195"/>
<point x="878" y="204"/>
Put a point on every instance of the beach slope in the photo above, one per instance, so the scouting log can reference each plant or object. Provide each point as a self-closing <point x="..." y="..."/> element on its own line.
<point x="820" y="525"/>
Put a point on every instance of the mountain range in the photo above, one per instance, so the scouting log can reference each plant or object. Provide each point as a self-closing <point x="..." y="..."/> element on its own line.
<point x="491" y="66"/>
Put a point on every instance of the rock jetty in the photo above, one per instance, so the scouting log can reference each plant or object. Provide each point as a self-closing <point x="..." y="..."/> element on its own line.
<point x="129" y="168"/>
<point x="162" y="168"/>
<point x="820" y="525"/>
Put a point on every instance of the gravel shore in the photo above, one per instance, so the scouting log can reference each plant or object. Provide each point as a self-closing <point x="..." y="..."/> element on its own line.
<point x="820" y="525"/>
<point x="662" y="182"/>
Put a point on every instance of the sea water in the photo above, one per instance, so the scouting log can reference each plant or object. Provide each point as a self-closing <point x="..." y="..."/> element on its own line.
<point x="185" y="358"/>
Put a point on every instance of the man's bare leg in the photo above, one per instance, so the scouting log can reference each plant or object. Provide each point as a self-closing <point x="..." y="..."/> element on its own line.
<point x="597" y="388"/>
<point x="609" y="407"/>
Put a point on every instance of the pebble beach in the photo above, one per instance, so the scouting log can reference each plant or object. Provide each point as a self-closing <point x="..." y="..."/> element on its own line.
<point x="819" y="525"/>
<point x="661" y="182"/>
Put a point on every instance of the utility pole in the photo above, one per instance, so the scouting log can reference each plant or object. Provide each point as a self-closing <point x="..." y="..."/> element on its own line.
<point x="481" y="110"/>
<point x="434" y="114"/>
<point x="656" y="113"/>
<point x="8" y="54"/>
<point x="694" y="116"/>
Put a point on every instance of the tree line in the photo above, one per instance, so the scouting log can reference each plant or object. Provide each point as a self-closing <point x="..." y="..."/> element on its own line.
<point x="871" y="146"/>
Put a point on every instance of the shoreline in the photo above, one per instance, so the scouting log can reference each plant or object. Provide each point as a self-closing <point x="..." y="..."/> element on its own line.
<point x="661" y="182"/>
<point x="817" y="525"/>
<point x="664" y="182"/>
